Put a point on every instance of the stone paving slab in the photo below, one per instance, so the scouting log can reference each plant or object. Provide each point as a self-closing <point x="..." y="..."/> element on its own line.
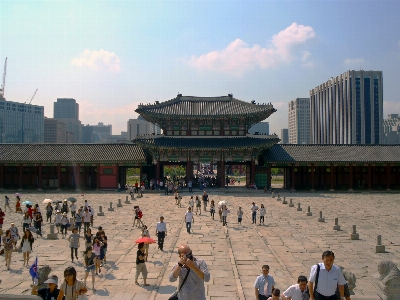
<point x="290" y="242"/>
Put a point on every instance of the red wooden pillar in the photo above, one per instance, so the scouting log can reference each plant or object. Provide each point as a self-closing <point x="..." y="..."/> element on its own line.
<point x="59" y="177"/>
<point x="312" y="177"/>
<point x="332" y="179"/>
<point x="388" y="177"/>
<point x="117" y="174"/>
<point x="20" y="176"/>
<point x="158" y="170"/>
<point x="292" y="179"/>
<point x="369" y="177"/>
<point x="40" y="177"/>
<point x="98" y="177"/>
<point x="222" y="183"/>
<point x="253" y="171"/>
<point x="350" y="178"/>
<point x="1" y="177"/>
<point x="268" y="183"/>
<point x="78" y="177"/>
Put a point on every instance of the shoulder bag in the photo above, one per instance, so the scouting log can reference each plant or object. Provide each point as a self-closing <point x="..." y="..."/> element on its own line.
<point x="175" y="295"/>
<point x="316" y="279"/>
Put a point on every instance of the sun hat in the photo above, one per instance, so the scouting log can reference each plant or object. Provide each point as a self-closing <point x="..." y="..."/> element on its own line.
<point x="52" y="279"/>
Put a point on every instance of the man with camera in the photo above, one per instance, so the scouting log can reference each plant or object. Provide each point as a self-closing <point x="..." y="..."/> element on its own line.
<point x="192" y="272"/>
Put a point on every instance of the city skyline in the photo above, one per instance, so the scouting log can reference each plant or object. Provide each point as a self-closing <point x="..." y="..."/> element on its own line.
<point x="111" y="56"/>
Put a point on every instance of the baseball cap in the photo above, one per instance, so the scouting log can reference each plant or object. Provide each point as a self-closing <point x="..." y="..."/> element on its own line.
<point x="52" y="279"/>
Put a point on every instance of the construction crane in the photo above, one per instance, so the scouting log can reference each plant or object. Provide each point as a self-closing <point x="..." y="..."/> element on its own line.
<point x="33" y="96"/>
<point x="4" y="80"/>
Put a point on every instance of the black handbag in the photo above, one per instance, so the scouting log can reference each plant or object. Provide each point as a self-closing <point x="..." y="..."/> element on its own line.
<point x="175" y="295"/>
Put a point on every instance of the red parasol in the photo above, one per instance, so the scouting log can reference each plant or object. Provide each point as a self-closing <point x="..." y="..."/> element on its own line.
<point x="145" y="240"/>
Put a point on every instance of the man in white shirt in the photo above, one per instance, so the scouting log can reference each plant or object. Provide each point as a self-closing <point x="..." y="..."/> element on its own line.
<point x="161" y="232"/>
<point x="254" y="209"/>
<point x="86" y="220"/>
<point x="330" y="277"/>
<point x="264" y="284"/>
<point x="189" y="219"/>
<point x="298" y="291"/>
<point x="91" y="211"/>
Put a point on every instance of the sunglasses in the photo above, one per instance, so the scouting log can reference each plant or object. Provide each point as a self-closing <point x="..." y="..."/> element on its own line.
<point x="66" y="275"/>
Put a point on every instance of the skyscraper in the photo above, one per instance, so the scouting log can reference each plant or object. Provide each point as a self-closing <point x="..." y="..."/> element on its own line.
<point x="284" y="136"/>
<point x="299" y="121"/>
<point x="348" y="109"/>
<point x="21" y="123"/>
<point x="66" y="110"/>
<point x="261" y="128"/>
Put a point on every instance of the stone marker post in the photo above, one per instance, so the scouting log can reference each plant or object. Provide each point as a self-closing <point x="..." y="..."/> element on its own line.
<point x="291" y="203"/>
<point x="119" y="203"/>
<point x="309" y="213"/>
<point x="100" y="213"/>
<point x="379" y="248"/>
<point x="133" y="196"/>
<point x="298" y="207"/>
<point x="127" y="200"/>
<point x="321" y="219"/>
<point x="279" y="196"/>
<point x="336" y="227"/>
<point x="284" y="200"/>
<point x="354" y="235"/>
<point x="111" y="208"/>
<point x="52" y="235"/>
<point x="273" y="194"/>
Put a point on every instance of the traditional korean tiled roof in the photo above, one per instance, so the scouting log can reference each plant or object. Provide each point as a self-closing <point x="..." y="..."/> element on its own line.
<point x="288" y="153"/>
<point x="190" y="106"/>
<point x="71" y="153"/>
<point x="206" y="143"/>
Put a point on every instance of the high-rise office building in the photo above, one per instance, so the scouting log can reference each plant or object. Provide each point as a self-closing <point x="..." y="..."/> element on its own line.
<point x="139" y="127"/>
<point x="21" y="123"/>
<point x="54" y="131"/>
<point x="284" y="136"/>
<point x="260" y="128"/>
<point x="348" y="109"/>
<point x="299" y="121"/>
<point x="391" y="129"/>
<point x="96" y="133"/>
<point x="66" y="110"/>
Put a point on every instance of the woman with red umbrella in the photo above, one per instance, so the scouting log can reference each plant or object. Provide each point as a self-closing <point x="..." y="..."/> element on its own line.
<point x="145" y="233"/>
<point x="141" y="265"/>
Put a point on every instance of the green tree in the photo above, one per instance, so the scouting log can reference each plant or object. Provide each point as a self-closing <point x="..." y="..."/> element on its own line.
<point x="174" y="171"/>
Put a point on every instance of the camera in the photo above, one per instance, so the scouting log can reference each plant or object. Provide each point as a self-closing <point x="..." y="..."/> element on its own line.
<point x="189" y="256"/>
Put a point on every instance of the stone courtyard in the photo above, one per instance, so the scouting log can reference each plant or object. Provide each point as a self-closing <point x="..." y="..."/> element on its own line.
<point x="290" y="242"/>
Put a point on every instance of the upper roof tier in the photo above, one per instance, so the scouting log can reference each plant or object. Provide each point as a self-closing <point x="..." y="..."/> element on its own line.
<point x="205" y="108"/>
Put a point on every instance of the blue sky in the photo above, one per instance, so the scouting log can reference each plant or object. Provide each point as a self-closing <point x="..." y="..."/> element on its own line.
<point x="112" y="55"/>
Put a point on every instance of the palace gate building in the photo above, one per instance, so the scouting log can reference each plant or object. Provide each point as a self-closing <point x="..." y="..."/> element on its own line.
<point x="212" y="130"/>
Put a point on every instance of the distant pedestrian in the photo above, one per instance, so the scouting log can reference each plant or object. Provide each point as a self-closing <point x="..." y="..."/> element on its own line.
<point x="91" y="212"/>
<point x="78" y="220"/>
<point x="86" y="220"/>
<point x="264" y="284"/>
<point x="14" y="234"/>
<point x="49" y="212"/>
<point x="190" y="186"/>
<point x="64" y="207"/>
<point x="189" y="219"/>
<point x="145" y="233"/>
<point x="240" y="215"/>
<point x="7" y="204"/>
<point x="262" y="212"/>
<point x="212" y="209"/>
<point x="88" y="238"/>
<point x="72" y="208"/>
<point x="57" y="220"/>
<point x="179" y="197"/>
<point x="74" y="243"/>
<point x="225" y="212"/>
<point x="8" y="242"/>
<point x="64" y="224"/>
<point x="276" y="295"/>
<point x="161" y="232"/>
<point x="26" y="221"/>
<point x="18" y="205"/>
<point x="26" y="246"/>
<point x="191" y="202"/>
<point x="254" y="209"/>
<point x="198" y="205"/>
<point x="2" y="215"/>
<point x="71" y="288"/>
<point x="205" y="200"/>
<point x="90" y="265"/>
<point x="38" y="223"/>
<point x="141" y="265"/>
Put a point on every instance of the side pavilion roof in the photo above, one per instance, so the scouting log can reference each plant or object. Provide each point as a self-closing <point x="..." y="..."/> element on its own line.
<point x="196" y="107"/>
<point x="290" y="153"/>
<point x="71" y="153"/>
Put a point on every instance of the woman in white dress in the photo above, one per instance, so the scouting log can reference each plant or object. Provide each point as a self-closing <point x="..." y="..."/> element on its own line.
<point x="26" y="246"/>
<point x="262" y="212"/>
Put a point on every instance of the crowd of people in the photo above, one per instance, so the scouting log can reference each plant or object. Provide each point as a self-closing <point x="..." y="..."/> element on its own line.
<point x="64" y="215"/>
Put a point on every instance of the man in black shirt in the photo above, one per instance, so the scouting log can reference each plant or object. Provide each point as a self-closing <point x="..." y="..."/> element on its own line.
<point x="205" y="201"/>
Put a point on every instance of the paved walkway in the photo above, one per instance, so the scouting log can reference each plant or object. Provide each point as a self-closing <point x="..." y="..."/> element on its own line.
<point x="290" y="242"/>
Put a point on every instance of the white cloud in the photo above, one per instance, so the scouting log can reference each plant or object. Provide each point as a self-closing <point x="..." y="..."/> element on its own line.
<point x="98" y="60"/>
<point x="238" y="57"/>
<point x="353" y="61"/>
<point x="390" y="107"/>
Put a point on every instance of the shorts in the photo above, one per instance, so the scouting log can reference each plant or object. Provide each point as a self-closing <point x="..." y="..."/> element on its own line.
<point x="89" y="268"/>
